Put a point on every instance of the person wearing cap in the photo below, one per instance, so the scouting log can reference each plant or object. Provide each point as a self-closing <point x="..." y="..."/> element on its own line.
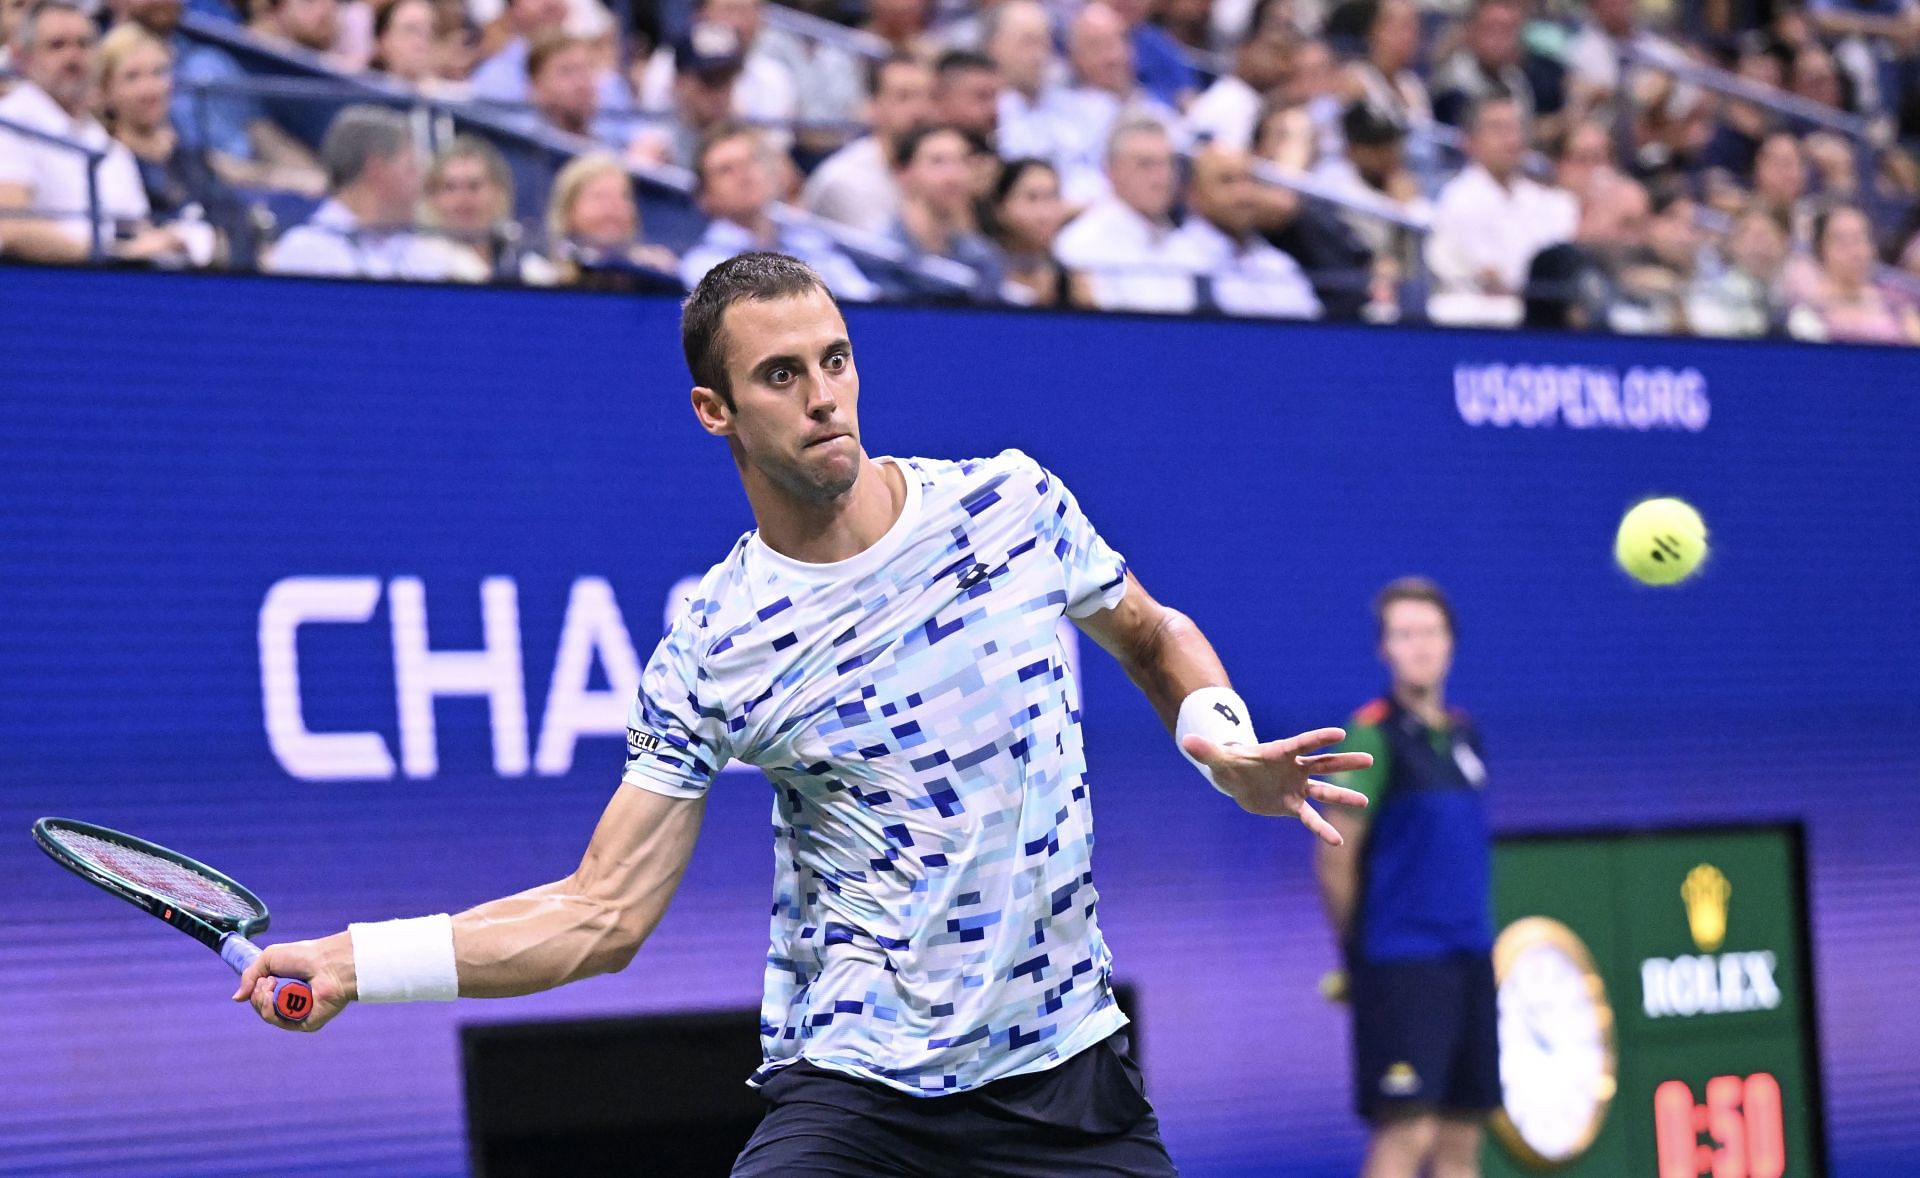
<point x="764" y="87"/>
<point x="1373" y="166"/>
<point x="708" y="60"/>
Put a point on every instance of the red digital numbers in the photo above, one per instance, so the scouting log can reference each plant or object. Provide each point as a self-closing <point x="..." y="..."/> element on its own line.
<point x="1746" y="1137"/>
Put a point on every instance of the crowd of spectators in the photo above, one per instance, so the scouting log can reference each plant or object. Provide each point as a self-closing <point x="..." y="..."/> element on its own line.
<point x="1724" y="169"/>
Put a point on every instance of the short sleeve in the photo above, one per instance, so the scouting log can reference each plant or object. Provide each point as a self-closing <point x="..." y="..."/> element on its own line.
<point x="1096" y="576"/>
<point x="1371" y="781"/>
<point x="676" y="739"/>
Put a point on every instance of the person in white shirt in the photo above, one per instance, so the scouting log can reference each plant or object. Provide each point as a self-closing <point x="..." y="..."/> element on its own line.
<point x="365" y="229"/>
<point x="855" y="185"/>
<point x="1593" y="62"/>
<point x="1106" y="93"/>
<point x="1373" y="167"/>
<point x="736" y="191"/>
<point x="1032" y="118"/>
<point x="1121" y="241"/>
<point x="43" y="185"/>
<point x="1488" y="223"/>
<point x="503" y="77"/>
<point x="1236" y="270"/>
<point x="1228" y="111"/>
<point x="966" y="93"/>
<point x="764" y="91"/>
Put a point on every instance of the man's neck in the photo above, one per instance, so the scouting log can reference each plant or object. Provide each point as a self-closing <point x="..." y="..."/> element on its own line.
<point x="1428" y="704"/>
<point x="1504" y="179"/>
<point x="932" y="231"/>
<point x="760" y="227"/>
<point x="78" y="113"/>
<point x="822" y="533"/>
<point x="365" y="207"/>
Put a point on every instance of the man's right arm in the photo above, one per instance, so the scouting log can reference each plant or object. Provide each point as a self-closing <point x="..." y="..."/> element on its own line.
<point x="591" y="922"/>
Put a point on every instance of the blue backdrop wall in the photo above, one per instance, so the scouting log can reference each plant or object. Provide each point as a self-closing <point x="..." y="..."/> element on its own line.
<point x="235" y="513"/>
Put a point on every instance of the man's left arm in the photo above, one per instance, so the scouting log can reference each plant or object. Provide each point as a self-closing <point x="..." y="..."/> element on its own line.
<point x="1170" y="660"/>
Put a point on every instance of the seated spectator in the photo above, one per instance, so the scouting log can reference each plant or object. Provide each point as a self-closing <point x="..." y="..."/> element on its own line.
<point x="312" y="25"/>
<point x="1024" y="217"/>
<point x="1487" y="63"/>
<point x="902" y="24"/>
<point x="1235" y="270"/>
<point x="1158" y="62"/>
<point x="707" y="67"/>
<point x="966" y="93"/>
<point x="594" y="230"/>
<point x="1033" y="119"/>
<point x="1566" y="290"/>
<point x="1656" y="276"/>
<point x="1385" y="79"/>
<point x="855" y="185"/>
<point x="503" y="77"/>
<point x="365" y="228"/>
<point x="1229" y="110"/>
<point x="561" y="69"/>
<point x="1876" y="41"/>
<point x="735" y="189"/>
<point x="1586" y="154"/>
<point x="1489" y="221"/>
<point x="1104" y="95"/>
<point x="763" y="89"/>
<point x="830" y="80"/>
<point x="469" y="194"/>
<point x="404" y="49"/>
<point x="1739" y="127"/>
<point x="1593" y="61"/>
<point x="1780" y="183"/>
<point x="182" y="189"/>
<point x="44" y="208"/>
<point x="1847" y="304"/>
<point x="1121" y="241"/>
<point x="244" y="144"/>
<point x="1373" y="167"/>
<point x="1286" y="137"/>
<point x="936" y="206"/>
<point x="1815" y="78"/>
<point x="1742" y="299"/>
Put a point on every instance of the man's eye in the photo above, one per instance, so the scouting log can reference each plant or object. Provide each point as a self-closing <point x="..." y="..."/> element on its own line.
<point x="836" y="362"/>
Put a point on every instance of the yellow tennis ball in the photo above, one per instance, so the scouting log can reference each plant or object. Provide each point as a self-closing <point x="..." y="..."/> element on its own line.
<point x="1661" y="541"/>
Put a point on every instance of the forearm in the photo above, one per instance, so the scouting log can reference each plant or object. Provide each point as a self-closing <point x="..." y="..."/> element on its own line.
<point x="39" y="241"/>
<point x="1171" y="662"/>
<point x="549" y="936"/>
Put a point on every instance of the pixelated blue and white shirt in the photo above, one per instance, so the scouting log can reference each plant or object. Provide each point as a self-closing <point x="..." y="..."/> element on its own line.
<point x="933" y="905"/>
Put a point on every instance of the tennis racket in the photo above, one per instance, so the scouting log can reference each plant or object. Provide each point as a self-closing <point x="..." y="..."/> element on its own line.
<point x="190" y="896"/>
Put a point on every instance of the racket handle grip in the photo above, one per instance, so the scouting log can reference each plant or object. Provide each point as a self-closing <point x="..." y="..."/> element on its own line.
<point x="292" y="997"/>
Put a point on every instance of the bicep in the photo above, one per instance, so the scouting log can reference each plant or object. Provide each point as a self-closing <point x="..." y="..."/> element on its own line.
<point x="1128" y="626"/>
<point x="640" y="847"/>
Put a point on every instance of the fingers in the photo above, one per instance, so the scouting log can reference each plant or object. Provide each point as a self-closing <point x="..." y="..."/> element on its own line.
<point x="250" y="977"/>
<point x="1334" y="762"/>
<point x="1305" y="742"/>
<point x="1321" y="791"/>
<point x="1320" y="826"/>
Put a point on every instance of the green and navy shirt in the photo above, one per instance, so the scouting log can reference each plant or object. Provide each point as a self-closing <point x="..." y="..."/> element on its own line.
<point x="1426" y="862"/>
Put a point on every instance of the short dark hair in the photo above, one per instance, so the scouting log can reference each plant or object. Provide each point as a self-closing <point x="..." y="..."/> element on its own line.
<point x="1410" y="589"/>
<point x="758" y="277"/>
<point x="878" y="67"/>
<point x="955" y="61"/>
<point x="909" y="144"/>
<point x="726" y="132"/>
<point x="1498" y="96"/>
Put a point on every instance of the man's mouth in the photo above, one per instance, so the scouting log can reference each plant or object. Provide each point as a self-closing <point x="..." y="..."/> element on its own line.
<point x="821" y="441"/>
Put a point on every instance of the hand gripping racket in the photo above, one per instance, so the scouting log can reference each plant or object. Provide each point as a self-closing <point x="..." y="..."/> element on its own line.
<point x="190" y="896"/>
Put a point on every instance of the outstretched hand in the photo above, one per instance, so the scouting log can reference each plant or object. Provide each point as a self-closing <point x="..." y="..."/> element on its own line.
<point x="326" y="964"/>
<point x="1277" y="778"/>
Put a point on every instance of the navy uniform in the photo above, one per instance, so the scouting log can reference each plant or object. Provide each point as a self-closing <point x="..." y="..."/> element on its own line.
<point x="1419" y="965"/>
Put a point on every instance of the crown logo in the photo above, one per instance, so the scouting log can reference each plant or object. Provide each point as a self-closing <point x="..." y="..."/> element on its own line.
<point x="1705" y="893"/>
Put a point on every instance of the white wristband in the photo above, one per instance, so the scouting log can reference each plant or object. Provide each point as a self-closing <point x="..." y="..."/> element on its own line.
<point x="1218" y="714"/>
<point x="405" y="960"/>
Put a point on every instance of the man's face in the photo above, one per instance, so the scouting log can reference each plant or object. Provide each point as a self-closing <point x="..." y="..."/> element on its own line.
<point x="704" y="99"/>
<point x="795" y="394"/>
<point x="1588" y="153"/>
<point x="938" y="173"/>
<point x="904" y="99"/>
<point x="970" y="100"/>
<point x="537" y="16"/>
<point x="12" y="14"/>
<point x="61" y="60"/>
<point x="1099" y="51"/>
<point x="1022" y="45"/>
<point x="159" y="17"/>
<point x="735" y="184"/>
<point x="564" y="89"/>
<point x="1757" y="246"/>
<point x="1673" y="236"/>
<point x="314" y="24"/>
<point x="1376" y="162"/>
<point x="464" y="197"/>
<point x="1780" y="170"/>
<point x="395" y="181"/>
<point x="1223" y="191"/>
<point x="1262" y="61"/>
<point x="1141" y="172"/>
<point x="1416" y="644"/>
<point x="1493" y="35"/>
<point x="1497" y="141"/>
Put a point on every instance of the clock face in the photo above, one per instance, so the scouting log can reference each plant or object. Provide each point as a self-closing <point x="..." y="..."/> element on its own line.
<point x="1556" y="1042"/>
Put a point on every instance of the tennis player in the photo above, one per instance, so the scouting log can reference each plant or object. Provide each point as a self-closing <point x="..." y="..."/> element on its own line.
<point x="883" y="646"/>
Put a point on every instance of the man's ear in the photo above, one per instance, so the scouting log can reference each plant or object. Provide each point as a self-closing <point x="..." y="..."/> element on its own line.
<point x="711" y="410"/>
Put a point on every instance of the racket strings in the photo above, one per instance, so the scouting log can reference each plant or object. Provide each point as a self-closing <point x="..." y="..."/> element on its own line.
<point x="163" y="877"/>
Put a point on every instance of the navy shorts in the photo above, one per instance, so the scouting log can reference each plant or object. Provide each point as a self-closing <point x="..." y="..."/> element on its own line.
<point x="1425" y="1035"/>
<point x="1088" y="1116"/>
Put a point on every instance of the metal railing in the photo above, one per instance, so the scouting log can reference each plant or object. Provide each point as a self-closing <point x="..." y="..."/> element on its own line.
<point x="90" y="159"/>
<point x="1780" y="102"/>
